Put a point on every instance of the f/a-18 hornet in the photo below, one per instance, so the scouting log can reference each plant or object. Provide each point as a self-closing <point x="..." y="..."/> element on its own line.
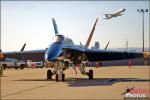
<point x="63" y="53"/>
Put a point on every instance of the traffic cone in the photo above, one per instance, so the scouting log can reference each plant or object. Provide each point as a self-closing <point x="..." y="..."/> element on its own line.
<point x="129" y="63"/>
<point x="97" y="64"/>
<point x="33" y="66"/>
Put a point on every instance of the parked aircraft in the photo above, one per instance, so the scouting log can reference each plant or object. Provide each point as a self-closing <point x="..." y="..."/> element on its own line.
<point x="118" y="13"/>
<point x="63" y="53"/>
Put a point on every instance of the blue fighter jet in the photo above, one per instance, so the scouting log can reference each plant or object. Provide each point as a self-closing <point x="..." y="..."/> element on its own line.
<point x="63" y="53"/>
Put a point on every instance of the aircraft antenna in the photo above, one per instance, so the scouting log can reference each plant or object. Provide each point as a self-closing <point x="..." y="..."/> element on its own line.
<point x="106" y="46"/>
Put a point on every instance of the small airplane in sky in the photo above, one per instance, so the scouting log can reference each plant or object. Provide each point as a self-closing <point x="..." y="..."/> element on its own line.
<point x="118" y="13"/>
<point x="63" y="53"/>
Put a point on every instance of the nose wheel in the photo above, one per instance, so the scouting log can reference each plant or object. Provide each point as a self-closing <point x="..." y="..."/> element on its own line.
<point x="49" y="74"/>
<point x="57" y="77"/>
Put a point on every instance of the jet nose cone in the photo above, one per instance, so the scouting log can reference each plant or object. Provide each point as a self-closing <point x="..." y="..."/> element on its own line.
<point x="53" y="52"/>
<point x="46" y="57"/>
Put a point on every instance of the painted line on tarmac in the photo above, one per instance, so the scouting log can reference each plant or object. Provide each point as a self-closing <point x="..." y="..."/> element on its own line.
<point x="19" y="92"/>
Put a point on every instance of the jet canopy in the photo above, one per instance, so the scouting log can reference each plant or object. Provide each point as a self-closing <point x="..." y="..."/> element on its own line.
<point x="58" y="38"/>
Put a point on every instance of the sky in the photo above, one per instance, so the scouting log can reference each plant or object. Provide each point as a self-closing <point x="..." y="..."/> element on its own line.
<point x="30" y="22"/>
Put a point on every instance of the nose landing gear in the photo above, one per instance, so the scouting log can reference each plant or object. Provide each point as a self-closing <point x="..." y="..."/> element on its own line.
<point x="60" y="76"/>
<point x="58" y="70"/>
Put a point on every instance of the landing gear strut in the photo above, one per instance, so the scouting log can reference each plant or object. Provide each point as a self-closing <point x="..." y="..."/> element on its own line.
<point x="63" y="77"/>
<point x="89" y="74"/>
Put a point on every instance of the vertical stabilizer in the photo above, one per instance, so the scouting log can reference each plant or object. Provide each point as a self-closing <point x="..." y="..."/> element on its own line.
<point x="55" y="26"/>
<point x="22" y="49"/>
<point x="91" y="34"/>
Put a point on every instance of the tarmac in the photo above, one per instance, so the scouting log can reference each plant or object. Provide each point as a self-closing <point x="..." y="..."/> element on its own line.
<point x="108" y="83"/>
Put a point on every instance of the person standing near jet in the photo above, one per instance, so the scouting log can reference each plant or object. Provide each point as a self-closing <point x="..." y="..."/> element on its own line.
<point x="1" y="59"/>
<point x="1" y="70"/>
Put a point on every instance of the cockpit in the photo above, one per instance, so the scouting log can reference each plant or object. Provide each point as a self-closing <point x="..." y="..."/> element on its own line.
<point x="58" y="38"/>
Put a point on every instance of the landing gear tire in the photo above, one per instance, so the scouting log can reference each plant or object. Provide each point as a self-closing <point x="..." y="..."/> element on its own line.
<point x="22" y="66"/>
<point x="49" y="74"/>
<point x="4" y="67"/>
<point x="90" y="74"/>
<point x="56" y="77"/>
<point x="63" y="77"/>
<point x="16" y="67"/>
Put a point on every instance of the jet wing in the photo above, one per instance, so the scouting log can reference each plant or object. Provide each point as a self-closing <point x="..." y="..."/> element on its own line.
<point x="103" y="55"/>
<point x="108" y="16"/>
<point x="26" y="55"/>
<point x="122" y="10"/>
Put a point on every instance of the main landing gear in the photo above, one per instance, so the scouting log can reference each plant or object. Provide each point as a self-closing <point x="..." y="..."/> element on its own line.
<point x="57" y="77"/>
<point x="59" y="68"/>
<point x="89" y="74"/>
